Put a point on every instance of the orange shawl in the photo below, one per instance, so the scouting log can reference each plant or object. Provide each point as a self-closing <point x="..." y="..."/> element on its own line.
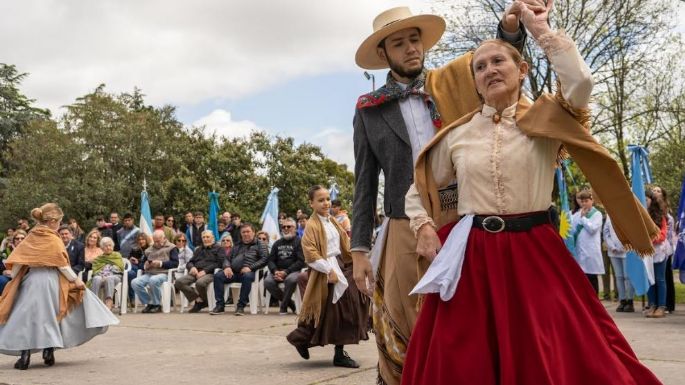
<point x="547" y="118"/>
<point x="41" y="248"/>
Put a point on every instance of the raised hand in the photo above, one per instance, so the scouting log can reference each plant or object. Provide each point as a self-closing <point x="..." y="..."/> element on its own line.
<point x="536" y="20"/>
<point x="510" y="19"/>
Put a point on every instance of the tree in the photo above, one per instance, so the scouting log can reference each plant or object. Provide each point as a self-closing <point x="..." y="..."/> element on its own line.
<point x="630" y="47"/>
<point x="16" y="111"/>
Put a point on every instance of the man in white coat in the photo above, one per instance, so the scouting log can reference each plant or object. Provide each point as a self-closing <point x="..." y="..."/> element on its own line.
<point x="587" y="232"/>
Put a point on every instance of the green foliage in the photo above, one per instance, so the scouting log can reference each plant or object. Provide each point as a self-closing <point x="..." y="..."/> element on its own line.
<point x="16" y="111"/>
<point x="96" y="157"/>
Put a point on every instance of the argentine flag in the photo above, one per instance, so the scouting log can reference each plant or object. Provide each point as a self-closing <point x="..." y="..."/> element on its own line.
<point x="145" y="216"/>
<point x="640" y="271"/>
<point x="333" y="191"/>
<point x="269" y="217"/>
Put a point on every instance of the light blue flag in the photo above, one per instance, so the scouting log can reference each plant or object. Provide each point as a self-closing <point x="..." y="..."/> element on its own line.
<point x="565" y="221"/>
<point x="213" y="220"/>
<point x="635" y="267"/>
<point x="679" y="256"/>
<point x="145" y="216"/>
<point x="333" y="191"/>
<point x="269" y="217"/>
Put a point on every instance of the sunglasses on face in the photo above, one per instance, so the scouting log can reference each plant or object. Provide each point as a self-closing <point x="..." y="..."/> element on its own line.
<point x="169" y="220"/>
<point x="262" y="239"/>
<point x="181" y="240"/>
<point x="287" y="227"/>
<point x="18" y="238"/>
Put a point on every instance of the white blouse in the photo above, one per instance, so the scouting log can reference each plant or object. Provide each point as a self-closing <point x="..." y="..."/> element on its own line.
<point x="498" y="169"/>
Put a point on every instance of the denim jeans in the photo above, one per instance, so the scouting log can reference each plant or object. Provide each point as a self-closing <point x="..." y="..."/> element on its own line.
<point x="657" y="292"/>
<point x="3" y="281"/>
<point x="245" y="281"/>
<point x="154" y="282"/>
<point x="623" y="285"/>
<point x="132" y="274"/>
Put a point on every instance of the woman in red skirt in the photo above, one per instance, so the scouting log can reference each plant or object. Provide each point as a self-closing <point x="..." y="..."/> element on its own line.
<point x="505" y="302"/>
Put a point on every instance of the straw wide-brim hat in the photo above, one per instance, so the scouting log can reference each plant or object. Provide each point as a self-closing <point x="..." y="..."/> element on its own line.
<point x="391" y="21"/>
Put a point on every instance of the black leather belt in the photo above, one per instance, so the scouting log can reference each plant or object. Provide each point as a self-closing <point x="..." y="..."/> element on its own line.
<point x="496" y="224"/>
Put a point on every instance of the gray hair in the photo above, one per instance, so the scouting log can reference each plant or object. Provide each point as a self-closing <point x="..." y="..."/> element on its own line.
<point x="158" y="234"/>
<point x="210" y="232"/>
<point x="106" y="240"/>
<point x="290" y="220"/>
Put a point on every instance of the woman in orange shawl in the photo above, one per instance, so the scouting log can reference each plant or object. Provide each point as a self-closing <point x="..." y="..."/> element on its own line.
<point x="44" y="307"/>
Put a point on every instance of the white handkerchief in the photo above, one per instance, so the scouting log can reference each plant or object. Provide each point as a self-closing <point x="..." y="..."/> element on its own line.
<point x="340" y="287"/>
<point x="378" y="247"/>
<point x="445" y="270"/>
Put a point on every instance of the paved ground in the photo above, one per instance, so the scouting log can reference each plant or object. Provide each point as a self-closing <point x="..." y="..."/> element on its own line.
<point x="164" y="349"/>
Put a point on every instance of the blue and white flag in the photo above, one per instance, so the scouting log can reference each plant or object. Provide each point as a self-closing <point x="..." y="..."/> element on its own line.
<point x="565" y="229"/>
<point x="636" y="267"/>
<point x="145" y="216"/>
<point x="333" y="191"/>
<point x="269" y="217"/>
<point x="679" y="255"/>
<point x="213" y="220"/>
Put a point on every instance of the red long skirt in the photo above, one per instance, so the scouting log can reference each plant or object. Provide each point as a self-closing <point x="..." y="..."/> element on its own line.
<point x="523" y="313"/>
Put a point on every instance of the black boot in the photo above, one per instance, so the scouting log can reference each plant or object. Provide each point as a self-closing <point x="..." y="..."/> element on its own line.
<point x="621" y="306"/>
<point x="23" y="361"/>
<point x="49" y="356"/>
<point x="341" y="358"/>
<point x="629" y="308"/>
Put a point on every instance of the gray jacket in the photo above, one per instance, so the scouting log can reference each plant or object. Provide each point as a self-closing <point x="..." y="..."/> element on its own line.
<point x="381" y="142"/>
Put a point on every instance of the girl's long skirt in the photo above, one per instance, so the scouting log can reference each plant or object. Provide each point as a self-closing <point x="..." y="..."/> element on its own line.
<point x="523" y="313"/>
<point x="345" y="322"/>
<point x="33" y="325"/>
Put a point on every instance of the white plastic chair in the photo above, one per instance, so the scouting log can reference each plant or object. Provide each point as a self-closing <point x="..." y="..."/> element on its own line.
<point x="255" y="292"/>
<point x="167" y="292"/>
<point x="121" y="288"/>
<point x="210" y="295"/>
<point x="296" y="296"/>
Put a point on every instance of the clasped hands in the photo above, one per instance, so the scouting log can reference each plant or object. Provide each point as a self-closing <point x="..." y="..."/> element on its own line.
<point x="532" y="13"/>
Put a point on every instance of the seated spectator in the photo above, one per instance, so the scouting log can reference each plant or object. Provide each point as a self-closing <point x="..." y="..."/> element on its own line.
<point x="91" y="250"/>
<point x="136" y="256"/>
<point x="127" y="235"/>
<point x="108" y="268"/>
<point x="200" y="268"/>
<point x="246" y="258"/>
<point x="185" y="253"/>
<point x="226" y="244"/>
<point x="9" y="233"/>
<point x="5" y="274"/>
<point x="285" y="262"/>
<point x="263" y="236"/>
<point x="75" y="249"/>
<point x="23" y="224"/>
<point x="159" y="258"/>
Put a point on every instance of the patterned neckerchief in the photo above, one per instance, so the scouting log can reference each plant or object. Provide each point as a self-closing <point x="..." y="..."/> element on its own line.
<point x="393" y="91"/>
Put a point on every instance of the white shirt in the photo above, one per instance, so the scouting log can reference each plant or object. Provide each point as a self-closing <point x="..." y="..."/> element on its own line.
<point x="418" y="120"/>
<point x="589" y="242"/>
<point x="615" y="248"/>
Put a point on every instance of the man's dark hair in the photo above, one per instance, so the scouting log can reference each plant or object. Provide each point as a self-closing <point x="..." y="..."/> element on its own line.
<point x="235" y="215"/>
<point x="65" y="227"/>
<point x="100" y="218"/>
<point x="199" y="213"/>
<point x="158" y="215"/>
<point x="128" y="216"/>
<point x="336" y="203"/>
<point x="246" y="224"/>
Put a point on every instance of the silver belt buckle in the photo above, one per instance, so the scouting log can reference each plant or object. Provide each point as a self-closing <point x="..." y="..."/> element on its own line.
<point x="490" y="220"/>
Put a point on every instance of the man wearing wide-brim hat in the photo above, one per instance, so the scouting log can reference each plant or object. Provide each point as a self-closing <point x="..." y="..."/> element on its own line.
<point x="391" y="125"/>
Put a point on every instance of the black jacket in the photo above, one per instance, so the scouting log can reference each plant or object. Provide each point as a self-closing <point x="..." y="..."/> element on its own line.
<point x="206" y="259"/>
<point x="196" y="235"/>
<point x="253" y="255"/>
<point x="286" y="254"/>
<point x="77" y="256"/>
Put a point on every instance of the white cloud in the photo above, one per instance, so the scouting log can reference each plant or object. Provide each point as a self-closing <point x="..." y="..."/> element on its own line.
<point x="337" y="145"/>
<point x="179" y="52"/>
<point x="221" y="123"/>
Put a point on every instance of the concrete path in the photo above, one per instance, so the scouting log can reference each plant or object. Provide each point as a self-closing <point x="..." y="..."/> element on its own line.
<point x="201" y="349"/>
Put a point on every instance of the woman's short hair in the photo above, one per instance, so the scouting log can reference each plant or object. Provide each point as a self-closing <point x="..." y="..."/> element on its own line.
<point x="106" y="241"/>
<point x="96" y="232"/>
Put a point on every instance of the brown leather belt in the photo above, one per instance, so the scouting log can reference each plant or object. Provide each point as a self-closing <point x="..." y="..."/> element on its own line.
<point x="518" y="223"/>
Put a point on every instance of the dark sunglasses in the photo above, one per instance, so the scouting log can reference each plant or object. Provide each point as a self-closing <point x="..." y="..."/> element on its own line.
<point x="287" y="227"/>
<point x="181" y="240"/>
<point x="18" y="239"/>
